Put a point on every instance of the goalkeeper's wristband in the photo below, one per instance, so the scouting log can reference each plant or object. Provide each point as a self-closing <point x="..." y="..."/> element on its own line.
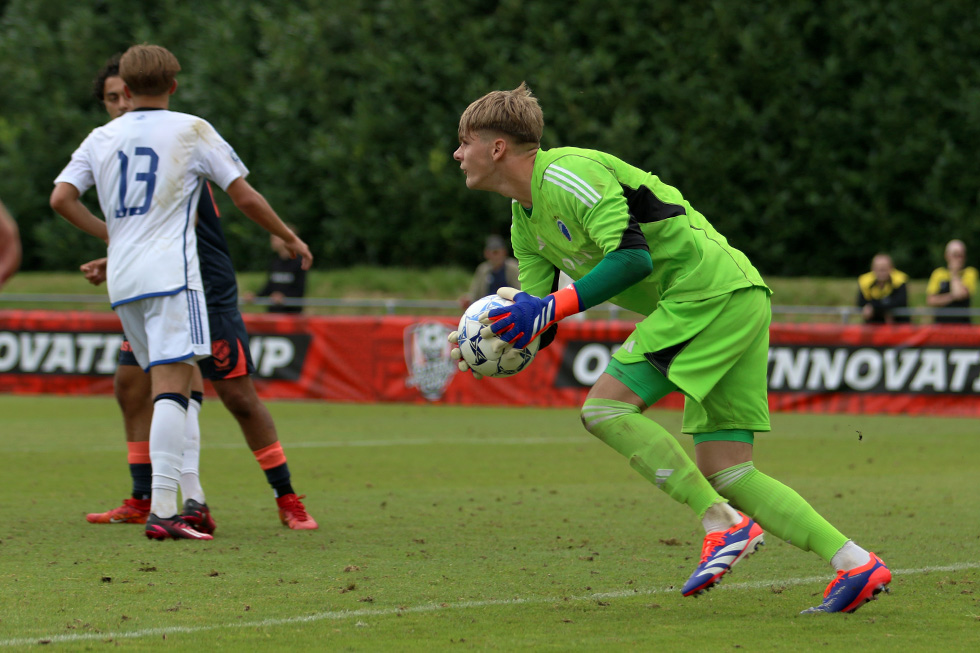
<point x="567" y="302"/>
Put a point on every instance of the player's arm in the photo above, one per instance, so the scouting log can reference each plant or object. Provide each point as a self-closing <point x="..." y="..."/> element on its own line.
<point x="10" y="248"/>
<point x="251" y="202"/>
<point x="65" y="201"/>
<point x="933" y="296"/>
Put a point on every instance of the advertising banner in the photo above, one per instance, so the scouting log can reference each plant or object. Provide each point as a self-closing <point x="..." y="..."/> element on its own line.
<point x="901" y="369"/>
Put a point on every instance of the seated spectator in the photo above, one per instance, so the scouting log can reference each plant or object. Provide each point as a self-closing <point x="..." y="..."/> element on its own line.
<point x="952" y="286"/>
<point x="881" y="291"/>
<point x="499" y="270"/>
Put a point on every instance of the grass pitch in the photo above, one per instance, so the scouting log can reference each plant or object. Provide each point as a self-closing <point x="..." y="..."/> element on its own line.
<point x="455" y="528"/>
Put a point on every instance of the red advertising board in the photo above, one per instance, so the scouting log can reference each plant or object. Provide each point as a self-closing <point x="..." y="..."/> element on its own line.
<point x="812" y="367"/>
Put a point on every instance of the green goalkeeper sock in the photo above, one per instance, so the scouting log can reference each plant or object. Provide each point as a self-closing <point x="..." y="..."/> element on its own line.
<point x="651" y="450"/>
<point x="778" y="509"/>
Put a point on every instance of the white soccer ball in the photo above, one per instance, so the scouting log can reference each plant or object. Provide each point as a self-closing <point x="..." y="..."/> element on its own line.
<point x="480" y="354"/>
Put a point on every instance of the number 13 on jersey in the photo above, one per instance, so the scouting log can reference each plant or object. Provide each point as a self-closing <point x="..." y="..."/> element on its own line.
<point x="148" y="179"/>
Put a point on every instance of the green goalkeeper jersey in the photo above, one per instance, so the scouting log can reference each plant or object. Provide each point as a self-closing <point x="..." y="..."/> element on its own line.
<point x="587" y="204"/>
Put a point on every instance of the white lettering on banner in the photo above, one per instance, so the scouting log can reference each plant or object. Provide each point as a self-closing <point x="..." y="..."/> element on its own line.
<point x="590" y="363"/>
<point x="932" y="372"/>
<point x="270" y="353"/>
<point x="863" y="370"/>
<point x="88" y="344"/>
<point x="110" y="354"/>
<point x="895" y="379"/>
<point x="789" y="370"/>
<point x="866" y="369"/>
<point x="59" y="353"/>
<point x="826" y="371"/>
<point x="8" y="351"/>
<point x="32" y="348"/>
<point x="62" y="355"/>
<point x="962" y="361"/>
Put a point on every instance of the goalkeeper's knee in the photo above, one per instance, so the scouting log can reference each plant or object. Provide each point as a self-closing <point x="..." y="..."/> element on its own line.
<point x="598" y="415"/>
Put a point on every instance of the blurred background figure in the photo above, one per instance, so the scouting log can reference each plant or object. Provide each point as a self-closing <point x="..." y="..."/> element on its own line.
<point x="952" y="286"/>
<point x="286" y="278"/>
<point x="881" y="291"/>
<point x="497" y="271"/>
<point x="10" y="251"/>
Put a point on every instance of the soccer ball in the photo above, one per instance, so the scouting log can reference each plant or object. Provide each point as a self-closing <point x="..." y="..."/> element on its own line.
<point x="479" y="353"/>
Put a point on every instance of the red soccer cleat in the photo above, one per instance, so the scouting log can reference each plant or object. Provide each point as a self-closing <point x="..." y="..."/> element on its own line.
<point x="132" y="511"/>
<point x="293" y="513"/>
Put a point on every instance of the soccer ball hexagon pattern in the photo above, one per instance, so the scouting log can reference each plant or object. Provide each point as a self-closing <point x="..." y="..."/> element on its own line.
<point x="479" y="353"/>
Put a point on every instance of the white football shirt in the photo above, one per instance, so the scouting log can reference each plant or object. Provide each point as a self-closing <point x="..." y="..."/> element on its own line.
<point x="148" y="167"/>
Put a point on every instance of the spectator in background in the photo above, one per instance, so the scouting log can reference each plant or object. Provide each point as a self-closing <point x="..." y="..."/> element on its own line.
<point x="953" y="285"/>
<point x="287" y="278"/>
<point x="9" y="246"/>
<point x="881" y="291"/>
<point x="498" y="271"/>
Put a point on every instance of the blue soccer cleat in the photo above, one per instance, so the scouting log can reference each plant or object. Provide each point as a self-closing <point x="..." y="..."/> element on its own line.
<point x="853" y="588"/>
<point x="721" y="550"/>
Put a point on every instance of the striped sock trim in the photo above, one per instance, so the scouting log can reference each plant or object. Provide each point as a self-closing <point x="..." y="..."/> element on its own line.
<point x="596" y="413"/>
<point x="175" y="397"/>
<point x="271" y="456"/>
<point x="139" y="453"/>
<point x="726" y="477"/>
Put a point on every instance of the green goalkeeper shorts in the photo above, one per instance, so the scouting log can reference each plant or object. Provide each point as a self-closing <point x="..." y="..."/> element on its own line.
<point x="716" y="351"/>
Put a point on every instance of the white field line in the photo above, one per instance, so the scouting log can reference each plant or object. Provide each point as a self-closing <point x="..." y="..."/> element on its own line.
<point x="436" y="607"/>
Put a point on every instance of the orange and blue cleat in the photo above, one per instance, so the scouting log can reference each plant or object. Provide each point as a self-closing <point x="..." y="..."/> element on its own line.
<point x="855" y="587"/>
<point x="721" y="550"/>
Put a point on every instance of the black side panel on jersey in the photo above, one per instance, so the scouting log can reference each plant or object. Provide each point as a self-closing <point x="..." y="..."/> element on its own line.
<point x="217" y="271"/>
<point x="644" y="207"/>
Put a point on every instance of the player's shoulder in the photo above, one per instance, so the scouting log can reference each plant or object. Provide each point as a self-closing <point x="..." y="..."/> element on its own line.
<point x="570" y="157"/>
<point x="573" y="173"/>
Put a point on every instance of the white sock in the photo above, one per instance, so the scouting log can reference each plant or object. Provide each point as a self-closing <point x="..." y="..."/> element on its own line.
<point x="190" y="475"/>
<point x="850" y="556"/>
<point x="720" y="517"/>
<point x="166" y="446"/>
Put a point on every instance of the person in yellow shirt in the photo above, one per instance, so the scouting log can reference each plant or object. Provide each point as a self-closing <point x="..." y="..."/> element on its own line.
<point x="881" y="291"/>
<point x="952" y="286"/>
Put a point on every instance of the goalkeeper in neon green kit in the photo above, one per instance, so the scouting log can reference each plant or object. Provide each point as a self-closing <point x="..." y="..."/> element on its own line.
<point x="626" y="237"/>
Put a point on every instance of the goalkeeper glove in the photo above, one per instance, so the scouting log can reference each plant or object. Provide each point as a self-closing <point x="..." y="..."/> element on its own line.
<point x="529" y="316"/>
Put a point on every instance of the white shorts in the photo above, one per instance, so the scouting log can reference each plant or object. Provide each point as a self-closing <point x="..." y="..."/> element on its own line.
<point x="167" y="329"/>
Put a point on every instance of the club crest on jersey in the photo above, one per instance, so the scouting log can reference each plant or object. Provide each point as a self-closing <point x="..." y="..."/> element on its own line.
<point x="564" y="230"/>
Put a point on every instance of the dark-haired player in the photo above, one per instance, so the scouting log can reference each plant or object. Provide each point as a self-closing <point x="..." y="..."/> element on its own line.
<point x="229" y="372"/>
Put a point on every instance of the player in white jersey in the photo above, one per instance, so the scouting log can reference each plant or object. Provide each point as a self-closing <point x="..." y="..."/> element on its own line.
<point x="149" y="167"/>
